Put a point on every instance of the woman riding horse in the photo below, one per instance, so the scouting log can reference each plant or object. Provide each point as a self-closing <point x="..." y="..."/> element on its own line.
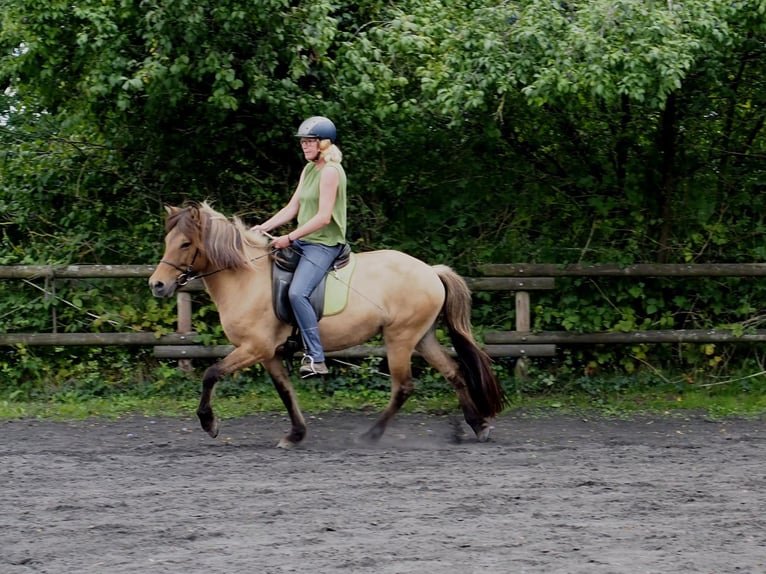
<point x="390" y="293"/>
<point x="319" y="203"/>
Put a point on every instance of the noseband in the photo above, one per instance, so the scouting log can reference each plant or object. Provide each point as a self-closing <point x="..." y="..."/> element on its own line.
<point x="187" y="275"/>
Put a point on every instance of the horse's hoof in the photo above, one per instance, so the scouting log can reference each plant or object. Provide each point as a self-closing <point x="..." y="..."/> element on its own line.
<point x="211" y="428"/>
<point x="285" y="443"/>
<point x="208" y="422"/>
<point x="372" y="436"/>
<point x="483" y="434"/>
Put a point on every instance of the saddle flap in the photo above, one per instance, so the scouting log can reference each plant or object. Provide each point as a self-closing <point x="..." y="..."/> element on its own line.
<point x="280" y="285"/>
<point x="284" y="263"/>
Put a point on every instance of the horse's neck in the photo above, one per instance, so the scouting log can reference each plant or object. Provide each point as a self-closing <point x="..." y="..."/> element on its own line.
<point x="233" y="289"/>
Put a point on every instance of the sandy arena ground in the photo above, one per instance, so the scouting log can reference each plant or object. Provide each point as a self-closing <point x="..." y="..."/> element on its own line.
<point x="547" y="495"/>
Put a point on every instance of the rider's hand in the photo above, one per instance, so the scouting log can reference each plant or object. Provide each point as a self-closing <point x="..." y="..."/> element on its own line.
<point x="281" y="242"/>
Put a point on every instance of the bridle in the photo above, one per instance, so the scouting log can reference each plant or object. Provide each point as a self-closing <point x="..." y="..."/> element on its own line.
<point x="188" y="275"/>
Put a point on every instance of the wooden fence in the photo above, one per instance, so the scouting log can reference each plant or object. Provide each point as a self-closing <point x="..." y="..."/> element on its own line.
<point x="185" y="345"/>
<point x="517" y="279"/>
<point x="676" y="271"/>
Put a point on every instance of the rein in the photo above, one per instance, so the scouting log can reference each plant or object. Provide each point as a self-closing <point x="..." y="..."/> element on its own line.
<point x="188" y="275"/>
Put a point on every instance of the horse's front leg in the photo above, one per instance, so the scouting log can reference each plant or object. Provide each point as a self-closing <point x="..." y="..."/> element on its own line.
<point x="205" y="410"/>
<point x="238" y="359"/>
<point x="286" y="392"/>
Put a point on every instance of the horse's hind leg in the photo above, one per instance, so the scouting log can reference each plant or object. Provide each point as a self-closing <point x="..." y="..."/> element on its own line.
<point x="286" y="392"/>
<point x="434" y="354"/>
<point x="399" y="357"/>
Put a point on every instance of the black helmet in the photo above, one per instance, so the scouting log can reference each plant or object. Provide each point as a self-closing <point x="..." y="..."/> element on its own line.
<point x="317" y="127"/>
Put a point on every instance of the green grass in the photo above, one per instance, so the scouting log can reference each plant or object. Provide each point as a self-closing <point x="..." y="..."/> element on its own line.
<point x="166" y="391"/>
<point x="262" y="399"/>
<point x="713" y="401"/>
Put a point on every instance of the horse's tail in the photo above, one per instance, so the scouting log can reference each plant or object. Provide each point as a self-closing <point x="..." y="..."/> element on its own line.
<point x="475" y="364"/>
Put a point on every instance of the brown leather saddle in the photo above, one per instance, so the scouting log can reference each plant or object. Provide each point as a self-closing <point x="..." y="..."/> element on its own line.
<point x="284" y="262"/>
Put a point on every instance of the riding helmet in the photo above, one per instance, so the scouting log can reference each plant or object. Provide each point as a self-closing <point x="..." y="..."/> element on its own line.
<point x="317" y="127"/>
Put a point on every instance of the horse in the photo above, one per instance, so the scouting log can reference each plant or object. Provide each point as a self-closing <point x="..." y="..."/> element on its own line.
<point x="390" y="293"/>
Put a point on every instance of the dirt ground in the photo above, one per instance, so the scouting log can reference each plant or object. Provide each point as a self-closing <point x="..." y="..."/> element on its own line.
<point x="547" y="495"/>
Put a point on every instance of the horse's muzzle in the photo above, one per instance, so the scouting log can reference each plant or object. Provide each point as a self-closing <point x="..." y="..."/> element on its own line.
<point x="160" y="289"/>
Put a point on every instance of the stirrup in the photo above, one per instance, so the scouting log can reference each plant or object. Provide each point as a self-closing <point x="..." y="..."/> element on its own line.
<point x="310" y="367"/>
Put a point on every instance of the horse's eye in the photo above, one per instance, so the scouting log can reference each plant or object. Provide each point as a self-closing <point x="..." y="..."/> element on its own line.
<point x="186" y="245"/>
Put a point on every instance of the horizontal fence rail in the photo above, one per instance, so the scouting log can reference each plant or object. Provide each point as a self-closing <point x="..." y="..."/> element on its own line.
<point x="75" y="271"/>
<point x="74" y="339"/>
<point x="188" y="346"/>
<point x="637" y="270"/>
<point x="625" y="338"/>
<point x="357" y="352"/>
<point x="491" y="271"/>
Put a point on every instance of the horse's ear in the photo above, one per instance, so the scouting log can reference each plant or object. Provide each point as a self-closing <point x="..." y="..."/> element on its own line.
<point x="170" y="209"/>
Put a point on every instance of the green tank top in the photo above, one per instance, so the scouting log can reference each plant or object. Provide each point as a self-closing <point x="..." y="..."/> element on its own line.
<point x="334" y="232"/>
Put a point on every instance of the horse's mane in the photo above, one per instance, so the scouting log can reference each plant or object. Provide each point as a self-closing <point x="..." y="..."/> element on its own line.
<point x="225" y="242"/>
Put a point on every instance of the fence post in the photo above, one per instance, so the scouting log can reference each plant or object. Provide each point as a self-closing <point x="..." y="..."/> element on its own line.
<point x="50" y="294"/>
<point x="184" y="308"/>
<point x="523" y="324"/>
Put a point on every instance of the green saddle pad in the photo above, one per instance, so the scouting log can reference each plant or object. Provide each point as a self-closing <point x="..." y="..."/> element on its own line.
<point x="337" y="288"/>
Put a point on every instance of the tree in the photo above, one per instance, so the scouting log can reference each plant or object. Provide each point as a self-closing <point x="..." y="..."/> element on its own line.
<point x="154" y="102"/>
<point x="598" y="99"/>
<point x="534" y="130"/>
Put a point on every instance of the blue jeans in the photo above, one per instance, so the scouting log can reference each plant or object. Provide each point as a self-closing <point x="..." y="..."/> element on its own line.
<point x="315" y="262"/>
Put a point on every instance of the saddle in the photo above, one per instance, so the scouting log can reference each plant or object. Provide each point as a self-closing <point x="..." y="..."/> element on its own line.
<point x="284" y="262"/>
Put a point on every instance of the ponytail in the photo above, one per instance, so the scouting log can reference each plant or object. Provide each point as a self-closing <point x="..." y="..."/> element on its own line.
<point x="330" y="152"/>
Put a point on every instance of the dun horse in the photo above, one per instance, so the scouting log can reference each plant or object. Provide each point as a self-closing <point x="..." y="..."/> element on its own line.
<point x="390" y="293"/>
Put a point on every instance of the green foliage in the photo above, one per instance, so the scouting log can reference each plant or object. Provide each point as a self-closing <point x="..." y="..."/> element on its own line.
<point x="590" y="305"/>
<point x="473" y="132"/>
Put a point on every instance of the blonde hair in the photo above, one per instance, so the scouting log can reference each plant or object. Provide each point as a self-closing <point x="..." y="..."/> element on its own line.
<point x="330" y="152"/>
